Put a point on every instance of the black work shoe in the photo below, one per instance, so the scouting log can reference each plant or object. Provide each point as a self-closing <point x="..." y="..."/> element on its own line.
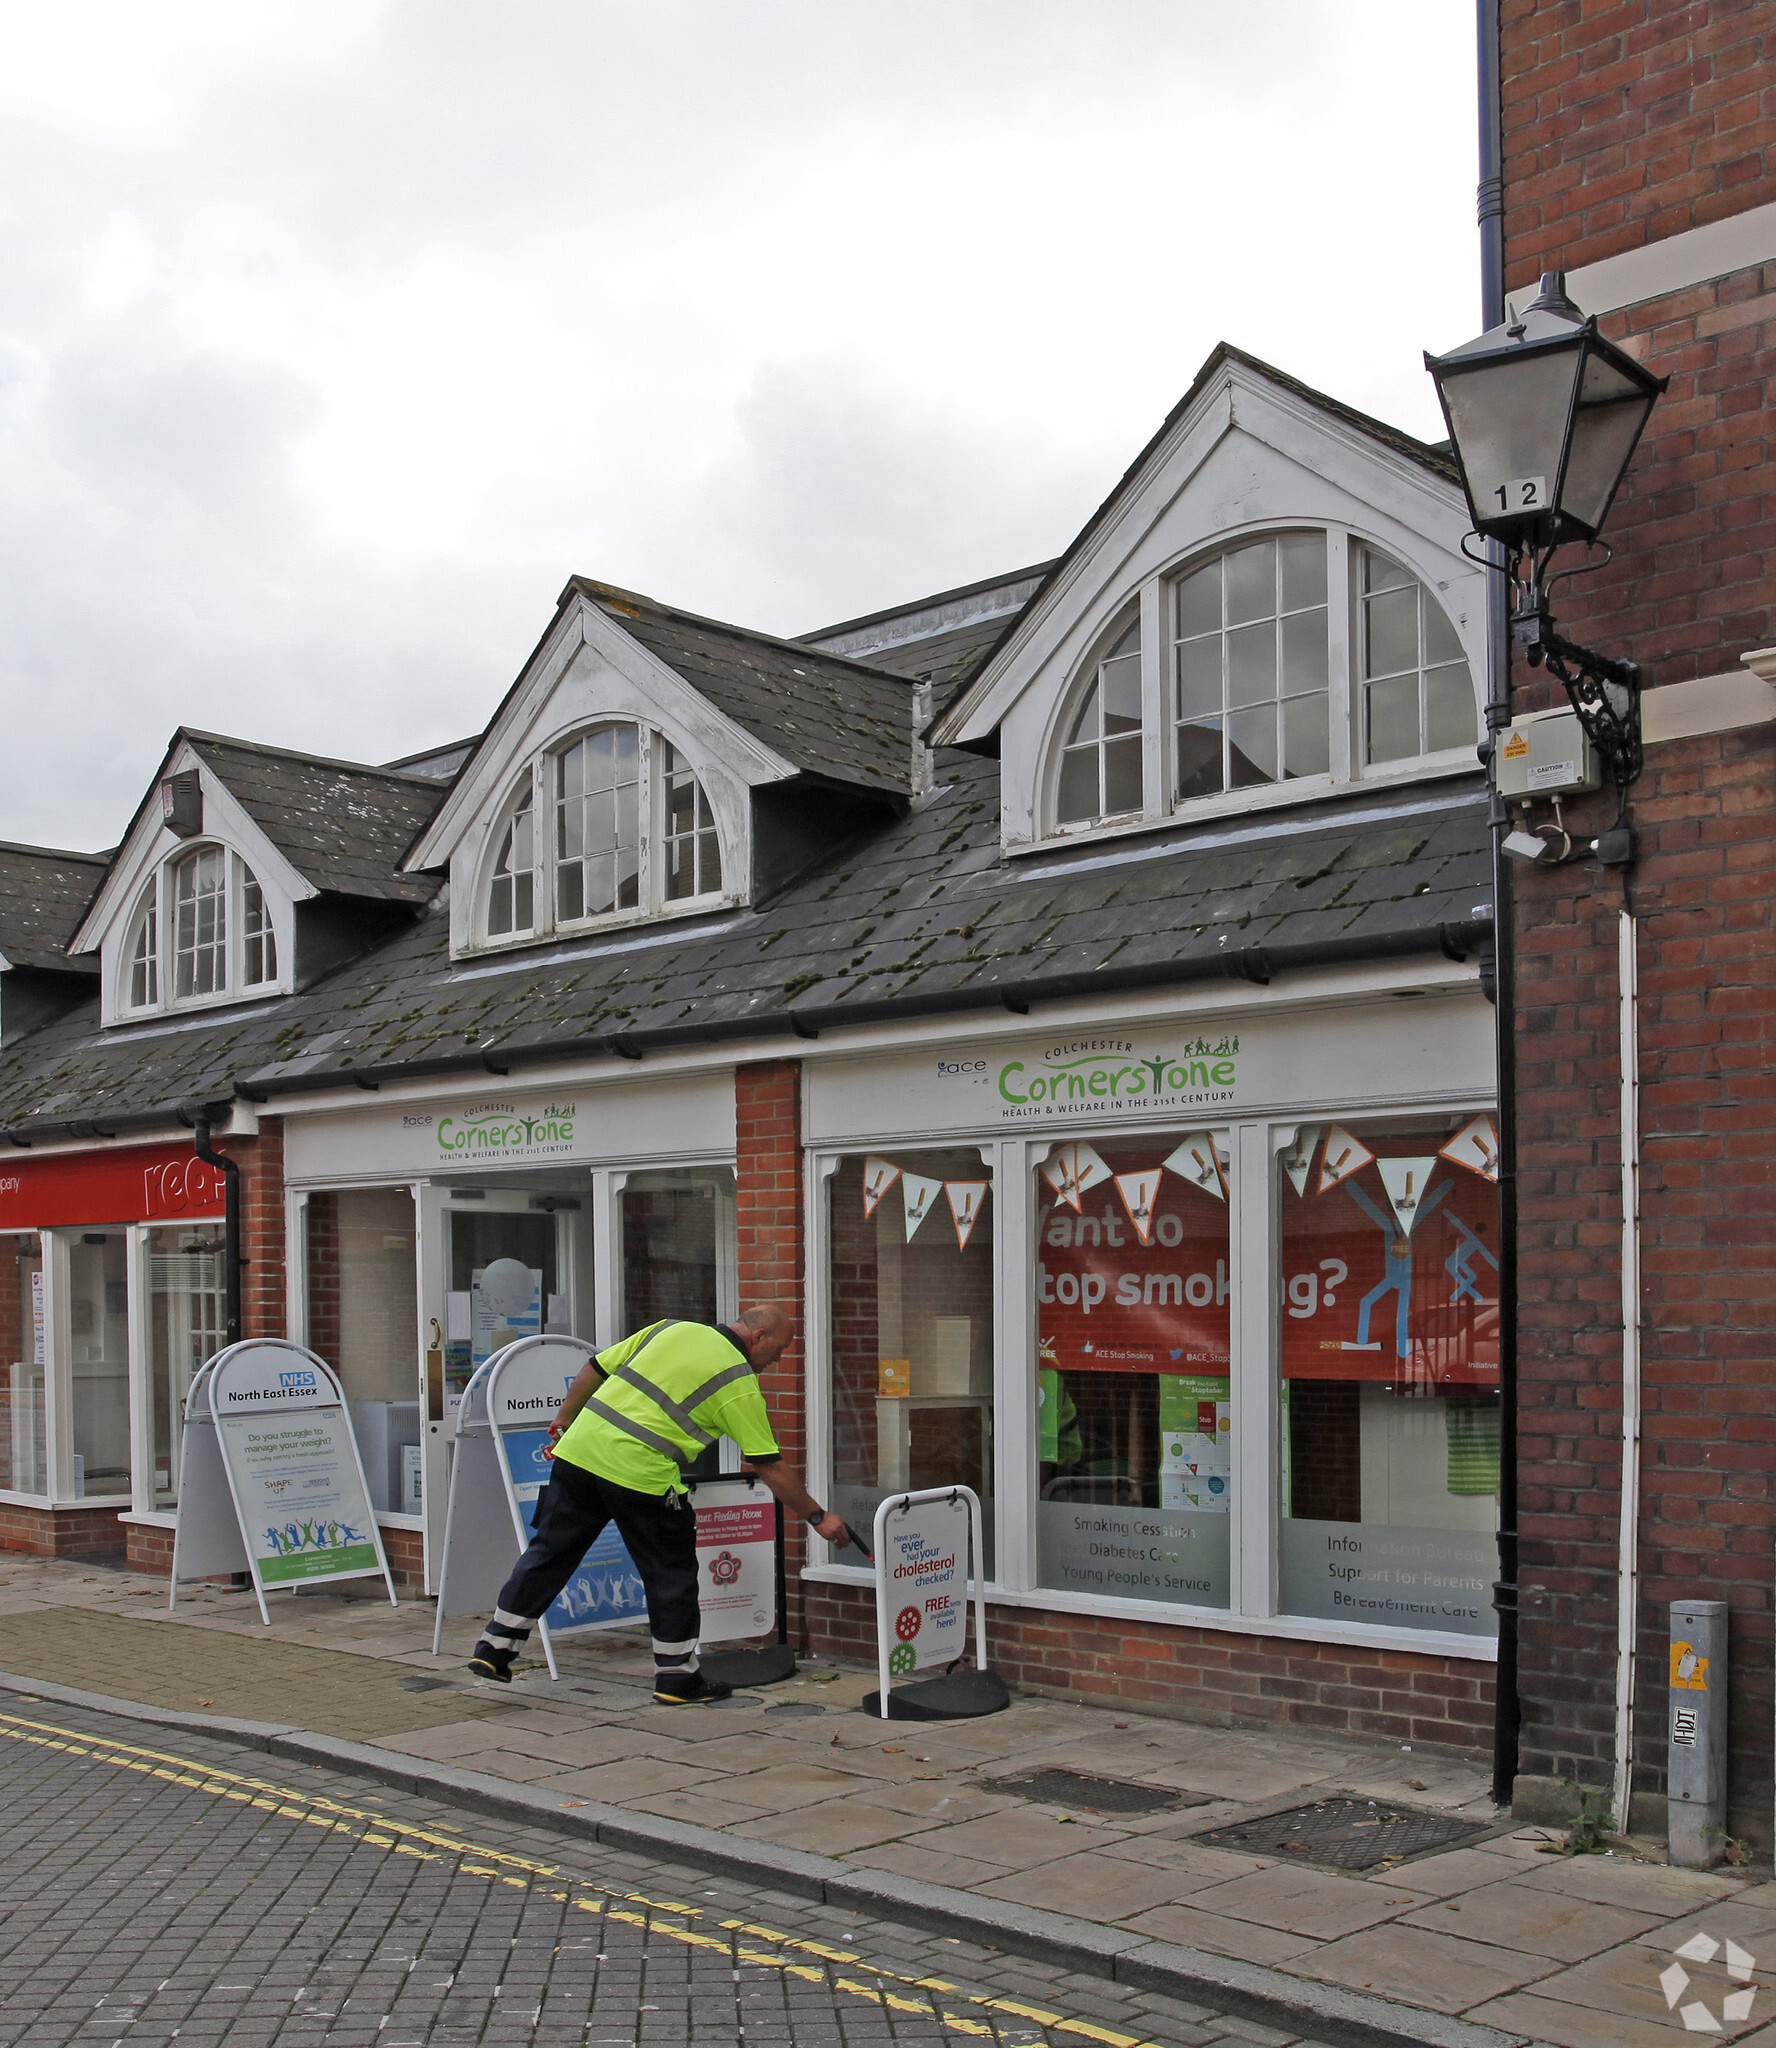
<point x="493" y="1660"/>
<point x="689" y="1689"/>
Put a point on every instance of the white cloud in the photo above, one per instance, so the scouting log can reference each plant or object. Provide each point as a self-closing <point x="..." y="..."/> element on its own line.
<point x="333" y="338"/>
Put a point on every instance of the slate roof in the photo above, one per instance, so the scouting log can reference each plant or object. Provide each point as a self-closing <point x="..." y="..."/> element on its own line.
<point x="43" y="894"/>
<point x="939" y="639"/>
<point x="924" y="913"/>
<point x="828" y="715"/>
<point x="340" y="824"/>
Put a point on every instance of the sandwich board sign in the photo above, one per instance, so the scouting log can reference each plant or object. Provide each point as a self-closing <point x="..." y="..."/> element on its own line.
<point x="497" y="1470"/>
<point x="736" y="1558"/>
<point x="271" y="1481"/>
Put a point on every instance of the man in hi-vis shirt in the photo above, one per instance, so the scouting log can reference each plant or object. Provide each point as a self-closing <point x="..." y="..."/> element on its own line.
<point x="635" y="1417"/>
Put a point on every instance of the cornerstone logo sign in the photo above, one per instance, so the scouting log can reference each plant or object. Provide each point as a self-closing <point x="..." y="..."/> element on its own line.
<point x="501" y="1130"/>
<point x="1087" y="1076"/>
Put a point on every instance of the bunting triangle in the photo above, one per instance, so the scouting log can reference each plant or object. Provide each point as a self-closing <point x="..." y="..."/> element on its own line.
<point x="1299" y="1158"/>
<point x="967" y="1198"/>
<point x="1407" y="1181"/>
<point x="1343" y="1156"/>
<point x="918" y="1194"/>
<point x="1072" y="1168"/>
<point x="1140" y="1193"/>
<point x="1475" y="1146"/>
<point x="1195" y="1159"/>
<point x="879" y="1175"/>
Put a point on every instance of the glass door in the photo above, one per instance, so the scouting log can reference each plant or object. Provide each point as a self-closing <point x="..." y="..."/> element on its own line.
<point x="187" y="1326"/>
<point x="98" y="1360"/>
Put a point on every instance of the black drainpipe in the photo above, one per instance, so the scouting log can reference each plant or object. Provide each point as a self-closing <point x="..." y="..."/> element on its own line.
<point x="1507" y="1715"/>
<point x="231" y="1251"/>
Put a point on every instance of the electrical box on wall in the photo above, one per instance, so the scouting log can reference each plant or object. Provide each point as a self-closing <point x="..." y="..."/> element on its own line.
<point x="1544" y="754"/>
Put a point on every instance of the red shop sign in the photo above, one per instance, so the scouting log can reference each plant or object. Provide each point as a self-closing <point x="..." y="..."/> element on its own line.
<point x="145" y="1184"/>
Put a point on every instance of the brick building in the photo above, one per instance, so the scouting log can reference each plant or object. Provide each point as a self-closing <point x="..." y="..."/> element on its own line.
<point x="1638" y="158"/>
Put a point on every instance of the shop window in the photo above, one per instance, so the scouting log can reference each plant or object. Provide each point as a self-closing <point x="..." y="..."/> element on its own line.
<point x="1252" y="667"/>
<point x="1418" y="697"/>
<point x="363" y="1319"/>
<point x="24" y="1459"/>
<point x="1390" y="1435"/>
<point x="912" y="1339"/>
<point x="187" y="1325"/>
<point x="1133" y="1317"/>
<point x="98" y="1360"/>
<point x="629" y="828"/>
<point x="1100" y="766"/>
<point x="679" y="1255"/>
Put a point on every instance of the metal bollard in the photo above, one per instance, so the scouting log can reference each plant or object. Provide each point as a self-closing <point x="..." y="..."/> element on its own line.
<point x="1696" y="1763"/>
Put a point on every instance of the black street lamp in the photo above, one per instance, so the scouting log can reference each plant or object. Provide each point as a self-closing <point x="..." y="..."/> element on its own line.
<point x="1544" y="415"/>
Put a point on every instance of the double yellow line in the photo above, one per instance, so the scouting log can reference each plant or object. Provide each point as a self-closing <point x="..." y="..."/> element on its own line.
<point x="668" y="1918"/>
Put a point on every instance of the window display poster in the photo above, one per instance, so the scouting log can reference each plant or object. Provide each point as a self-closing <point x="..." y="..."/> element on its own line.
<point x="505" y="1303"/>
<point x="302" y="1504"/>
<point x="1195" y="1443"/>
<point x="1411" y="1577"/>
<point x="1390" y="1272"/>
<point x="1134" y="1292"/>
<point x="606" y="1588"/>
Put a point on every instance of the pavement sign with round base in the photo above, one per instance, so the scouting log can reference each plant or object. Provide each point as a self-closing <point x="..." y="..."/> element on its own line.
<point x="924" y="1543"/>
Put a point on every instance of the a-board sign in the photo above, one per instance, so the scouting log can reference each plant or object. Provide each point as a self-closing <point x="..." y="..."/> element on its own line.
<point x="923" y="1546"/>
<point x="498" y="1469"/>
<point x="271" y="1481"/>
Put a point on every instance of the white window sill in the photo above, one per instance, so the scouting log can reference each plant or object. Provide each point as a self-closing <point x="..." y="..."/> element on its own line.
<point x="1293" y="1628"/>
<point x="392" y="1521"/>
<point x="156" y="1518"/>
<point x="46" y="1501"/>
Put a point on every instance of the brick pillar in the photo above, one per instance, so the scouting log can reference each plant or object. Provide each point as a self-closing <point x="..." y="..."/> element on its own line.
<point x="261" y="1163"/>
<point x="768" y="1200"/>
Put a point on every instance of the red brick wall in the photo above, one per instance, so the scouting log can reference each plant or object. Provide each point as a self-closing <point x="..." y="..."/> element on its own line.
<point x="61" y="1532"/>
<point x="1201" y="1674"/>
<point x="262" y="1229"/>
<point x="1625" y="123"/>
<point x="149" y="1549"/>
<point x="768" y="1203"/>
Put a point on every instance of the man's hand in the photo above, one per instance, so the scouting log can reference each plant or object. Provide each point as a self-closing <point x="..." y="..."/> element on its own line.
<point x="555" y="1429"/>
<point x="833" y="1527"/>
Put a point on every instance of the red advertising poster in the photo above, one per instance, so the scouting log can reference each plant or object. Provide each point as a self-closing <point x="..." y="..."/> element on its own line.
<point x="1390" y="1272"/>
<point x="1135" y="1279"/>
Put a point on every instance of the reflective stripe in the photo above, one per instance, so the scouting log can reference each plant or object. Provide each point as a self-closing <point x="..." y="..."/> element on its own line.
<point x="664" y="1402"/>
<point x="680" y="1411"/>
<point x="639" y="1430"/>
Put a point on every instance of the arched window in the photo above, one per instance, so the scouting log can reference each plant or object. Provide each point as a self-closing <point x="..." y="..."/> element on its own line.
<point x="1252" y="667"/>
<point x="200" y="927"/>
<point x="1100" y="771"/>
<point x="630" y="829"/>
<point x="511" y="894"/>
<point x="259" y="960"/>
<point x="1418" y="696"/>
<point x="144" y="965"/>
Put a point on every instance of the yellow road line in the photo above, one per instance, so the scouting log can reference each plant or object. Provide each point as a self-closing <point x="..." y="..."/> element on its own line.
<point x="432" y="1846"/>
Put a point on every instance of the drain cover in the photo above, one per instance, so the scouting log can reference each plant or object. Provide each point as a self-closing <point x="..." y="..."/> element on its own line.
<point x="796" y="1707"/>
<point x="1092" y="1794"/>
<point x="1349" y="1834"/>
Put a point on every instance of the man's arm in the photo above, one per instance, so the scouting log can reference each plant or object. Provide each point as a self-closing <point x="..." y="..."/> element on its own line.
<point x="786" y="1483"/>
<point x="586" y="1383"/>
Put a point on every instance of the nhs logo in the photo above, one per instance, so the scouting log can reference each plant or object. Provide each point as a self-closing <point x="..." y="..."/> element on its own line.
<point x="296" y="1379"/>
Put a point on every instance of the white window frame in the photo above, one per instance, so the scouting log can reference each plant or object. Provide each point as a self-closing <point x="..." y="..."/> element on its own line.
<point x="653" y="901"/>
<point x="1255" y="1146"/>
<point x="1346" y="771"/>
<point x="159" y="896"/>
<point x="1085" y="677"/>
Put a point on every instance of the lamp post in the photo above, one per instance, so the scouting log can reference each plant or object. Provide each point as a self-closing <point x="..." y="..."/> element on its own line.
<point x="1544" y="415"/>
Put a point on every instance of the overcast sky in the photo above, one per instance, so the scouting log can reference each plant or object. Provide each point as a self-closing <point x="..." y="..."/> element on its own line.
<point x="334" y="336"/>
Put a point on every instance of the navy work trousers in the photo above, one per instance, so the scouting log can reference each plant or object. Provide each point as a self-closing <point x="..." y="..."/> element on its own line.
<point x="660" y="1530"/>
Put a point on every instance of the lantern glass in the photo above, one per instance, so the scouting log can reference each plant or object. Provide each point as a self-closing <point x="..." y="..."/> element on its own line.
<point x="1508" y="418"/>
<point x="1612" y="410"/>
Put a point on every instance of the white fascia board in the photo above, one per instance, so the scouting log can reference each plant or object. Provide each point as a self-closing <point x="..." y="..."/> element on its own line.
<point x="150" y="843"/>
<point x="1056" y="615"/>
<point x="587" y="668"/>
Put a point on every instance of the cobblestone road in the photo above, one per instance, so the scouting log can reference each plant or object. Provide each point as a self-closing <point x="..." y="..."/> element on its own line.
<point x="159" y="1889"/>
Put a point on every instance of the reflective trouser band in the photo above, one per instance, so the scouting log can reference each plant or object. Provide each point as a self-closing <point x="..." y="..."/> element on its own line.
<point x="680" y="1411"/>
<point x="675" y="1656"/>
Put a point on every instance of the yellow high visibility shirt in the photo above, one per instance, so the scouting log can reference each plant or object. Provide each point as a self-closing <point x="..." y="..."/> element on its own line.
<point x="668" y="1392"/>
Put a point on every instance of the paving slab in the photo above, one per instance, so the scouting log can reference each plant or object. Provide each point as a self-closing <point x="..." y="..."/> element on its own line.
<point x="1424" y="1968"/>
<point x="1301" y="1901"/>
<point x="1190" y="1927"/>
<point x="1098" y="1887"/>
<point x="1520" y="1916"/>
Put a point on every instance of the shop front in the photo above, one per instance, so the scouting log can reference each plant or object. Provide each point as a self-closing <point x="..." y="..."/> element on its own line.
<point x="1205" y="1309"/>
<point x="426" y="1236"/>
<point x="112" y="1294"/>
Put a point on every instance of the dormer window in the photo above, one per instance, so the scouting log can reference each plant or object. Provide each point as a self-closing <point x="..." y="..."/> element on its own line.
<point x="631" y="831"/>
<point x="202" y="932"/>
<point x="1100" y="769"/>
<point x="1418" y="697"/>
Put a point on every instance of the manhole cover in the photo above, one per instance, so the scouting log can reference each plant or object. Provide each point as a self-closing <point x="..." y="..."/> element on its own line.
<point x="796" y="1707"/>
<point x="1092" y="1794"/>
<point x="1349" y="1834"/>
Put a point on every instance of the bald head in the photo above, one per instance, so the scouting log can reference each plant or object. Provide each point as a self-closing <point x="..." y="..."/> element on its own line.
<point x="765" y="1328"/>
